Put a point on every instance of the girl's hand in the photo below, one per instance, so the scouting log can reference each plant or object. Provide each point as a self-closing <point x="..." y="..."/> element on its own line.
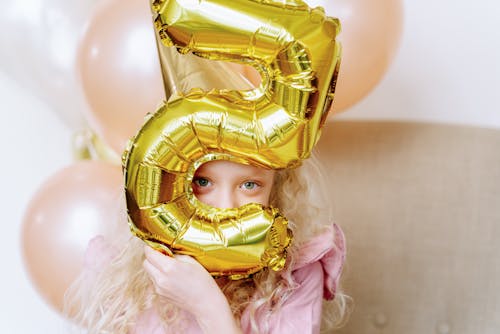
<point x="186" y="284"/>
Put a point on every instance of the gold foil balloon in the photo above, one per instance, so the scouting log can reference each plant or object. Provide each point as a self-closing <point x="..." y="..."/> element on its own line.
<point x="275" y="125"/>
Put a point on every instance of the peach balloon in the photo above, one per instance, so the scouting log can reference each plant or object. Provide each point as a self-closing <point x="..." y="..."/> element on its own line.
<point x="371" y="31"/>
<point x="119" y="70"/>
<point x="70" y="208"/>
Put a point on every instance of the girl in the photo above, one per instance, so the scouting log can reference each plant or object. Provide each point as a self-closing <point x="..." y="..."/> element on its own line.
<point x="127" y="287"/>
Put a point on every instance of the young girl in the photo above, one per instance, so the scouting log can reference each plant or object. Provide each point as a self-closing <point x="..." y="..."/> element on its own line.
<point x="128" y="287"/>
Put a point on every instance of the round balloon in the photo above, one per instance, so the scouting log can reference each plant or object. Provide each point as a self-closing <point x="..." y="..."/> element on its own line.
<point x="371" y="32"/>
<point x="72" y="206"/>
<point x="39" y="52"/>
<point x="119" y="70"/>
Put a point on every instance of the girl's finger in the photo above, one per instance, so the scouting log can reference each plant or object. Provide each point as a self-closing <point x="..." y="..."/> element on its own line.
<point x="152" y="270"/>
<point x="186" y="259"/>
<point x="160" y="261"/>
<point x="160" y="281"/>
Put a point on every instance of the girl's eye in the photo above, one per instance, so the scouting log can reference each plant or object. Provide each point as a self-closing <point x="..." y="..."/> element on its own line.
<point x="249" y="185"/>
<point x="201" y="182"/>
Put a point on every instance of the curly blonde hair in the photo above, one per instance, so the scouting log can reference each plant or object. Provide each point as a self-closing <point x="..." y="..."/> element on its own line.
<point x="111" y="299"/>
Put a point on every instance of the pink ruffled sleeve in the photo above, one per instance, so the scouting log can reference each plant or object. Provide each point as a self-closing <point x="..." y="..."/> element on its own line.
<point x="329" y="250"/>
<point x="316" y="273"/>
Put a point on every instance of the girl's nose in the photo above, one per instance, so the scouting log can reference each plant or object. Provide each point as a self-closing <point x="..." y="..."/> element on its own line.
<point x="226" y="199"/>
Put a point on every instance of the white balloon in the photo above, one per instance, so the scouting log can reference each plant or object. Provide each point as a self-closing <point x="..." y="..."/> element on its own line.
<point x="39" y="47"/>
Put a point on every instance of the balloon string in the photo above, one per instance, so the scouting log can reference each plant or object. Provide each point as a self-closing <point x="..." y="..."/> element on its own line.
<point x="88" y="146"/>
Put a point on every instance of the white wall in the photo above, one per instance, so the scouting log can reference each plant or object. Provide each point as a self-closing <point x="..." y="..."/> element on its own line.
<point x="35" y="144"/>
<point x="446" y="71"/>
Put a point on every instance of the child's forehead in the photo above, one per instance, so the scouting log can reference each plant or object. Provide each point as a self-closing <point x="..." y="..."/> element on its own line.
<point x="225" y="167"/>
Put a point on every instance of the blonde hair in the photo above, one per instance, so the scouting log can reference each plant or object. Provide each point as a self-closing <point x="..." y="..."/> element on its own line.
<point x="110" y="300"/>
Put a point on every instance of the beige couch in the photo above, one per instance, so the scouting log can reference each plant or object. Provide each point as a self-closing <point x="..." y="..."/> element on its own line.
<point x="420" y="206"/>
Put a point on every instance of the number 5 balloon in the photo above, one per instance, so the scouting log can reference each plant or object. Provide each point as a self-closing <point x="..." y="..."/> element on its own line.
<point x="275" y="126"/>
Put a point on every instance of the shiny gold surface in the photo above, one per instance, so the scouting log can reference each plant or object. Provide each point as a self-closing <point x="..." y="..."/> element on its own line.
<point x="275" y="125"/>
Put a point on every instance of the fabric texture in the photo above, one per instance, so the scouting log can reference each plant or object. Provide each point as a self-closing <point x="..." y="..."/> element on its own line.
<point x="315" y="272"/>
<point x="420" y="206"/>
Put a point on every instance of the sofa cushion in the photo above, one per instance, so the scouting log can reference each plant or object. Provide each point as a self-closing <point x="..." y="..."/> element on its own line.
<point x="420" y="206"/>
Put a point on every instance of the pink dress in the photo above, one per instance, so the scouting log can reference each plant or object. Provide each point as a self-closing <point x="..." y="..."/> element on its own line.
<point x="316" y="273"/>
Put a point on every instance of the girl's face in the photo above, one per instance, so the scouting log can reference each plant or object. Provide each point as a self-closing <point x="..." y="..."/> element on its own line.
<point x="225" y="184"/>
